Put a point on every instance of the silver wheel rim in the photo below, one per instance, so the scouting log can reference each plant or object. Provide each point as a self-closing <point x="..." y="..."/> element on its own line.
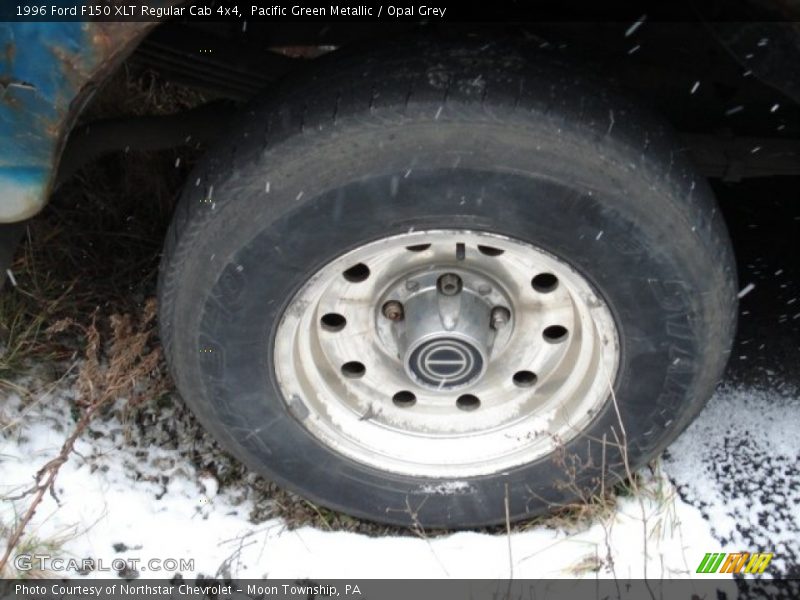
<point x="385" y="362"/>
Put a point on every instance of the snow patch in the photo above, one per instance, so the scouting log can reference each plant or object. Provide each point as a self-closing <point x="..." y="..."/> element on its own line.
<point x="447" y="488"/>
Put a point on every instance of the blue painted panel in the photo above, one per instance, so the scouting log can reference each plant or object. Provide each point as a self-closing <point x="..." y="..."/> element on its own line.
<point x="42" y="66"/>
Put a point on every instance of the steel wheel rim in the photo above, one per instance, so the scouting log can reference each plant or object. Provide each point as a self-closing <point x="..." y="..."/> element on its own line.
<point x="350" y="374"/>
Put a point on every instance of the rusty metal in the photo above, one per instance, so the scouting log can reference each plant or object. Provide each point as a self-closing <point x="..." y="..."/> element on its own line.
<point x="48" y="71"/>
<point x="393" y="310"/>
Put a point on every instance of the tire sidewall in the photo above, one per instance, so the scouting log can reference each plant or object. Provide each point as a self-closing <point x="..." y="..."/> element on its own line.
<point x="537" y="182"/>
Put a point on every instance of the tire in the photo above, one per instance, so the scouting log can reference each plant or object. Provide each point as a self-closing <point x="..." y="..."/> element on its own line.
<point x="366" y="145"/>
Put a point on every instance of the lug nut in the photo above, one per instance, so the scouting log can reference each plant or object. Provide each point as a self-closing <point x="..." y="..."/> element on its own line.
<point x="449" y="284"/>
<point x="393" y="310"/>
<point x="500" y="316"/>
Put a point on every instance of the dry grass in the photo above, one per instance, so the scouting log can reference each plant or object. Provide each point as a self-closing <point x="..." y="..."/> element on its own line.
<point x="34" y="545"/>
<point x="127" y="365"/>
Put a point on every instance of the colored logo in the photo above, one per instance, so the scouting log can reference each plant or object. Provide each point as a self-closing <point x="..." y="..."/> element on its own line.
<point x="735" y="562"/>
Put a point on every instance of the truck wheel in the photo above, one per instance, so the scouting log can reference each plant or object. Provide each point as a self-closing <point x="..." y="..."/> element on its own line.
<point x="441" y="285"/>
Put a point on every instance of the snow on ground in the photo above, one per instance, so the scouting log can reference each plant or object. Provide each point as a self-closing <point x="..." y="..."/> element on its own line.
<point x="740" y="464"/>
<point x="120" y="500"/>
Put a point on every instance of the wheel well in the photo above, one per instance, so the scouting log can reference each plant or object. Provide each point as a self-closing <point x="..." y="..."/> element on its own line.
<point x="737" y="121"/>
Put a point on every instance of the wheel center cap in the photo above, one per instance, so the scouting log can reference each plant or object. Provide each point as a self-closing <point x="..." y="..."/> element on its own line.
<point x="446" y="362"/>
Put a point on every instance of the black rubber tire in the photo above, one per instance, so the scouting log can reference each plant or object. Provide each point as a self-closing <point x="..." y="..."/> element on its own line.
<point x="369" y="144"/>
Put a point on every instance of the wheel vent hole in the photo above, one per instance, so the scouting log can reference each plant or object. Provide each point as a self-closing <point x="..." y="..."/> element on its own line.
<point x="353" y="369"/>
<point x="333" y="322"/>
<point x="404" y="399"/>
<point x="357" y="273"/>
<point x="490" y="250"/>
<point x="468" y="402"/>
<point x="524" y="378"/>
<point x="555" y="334"/>
<point x="544" y="283"/>
<point x="418" y="247"/>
